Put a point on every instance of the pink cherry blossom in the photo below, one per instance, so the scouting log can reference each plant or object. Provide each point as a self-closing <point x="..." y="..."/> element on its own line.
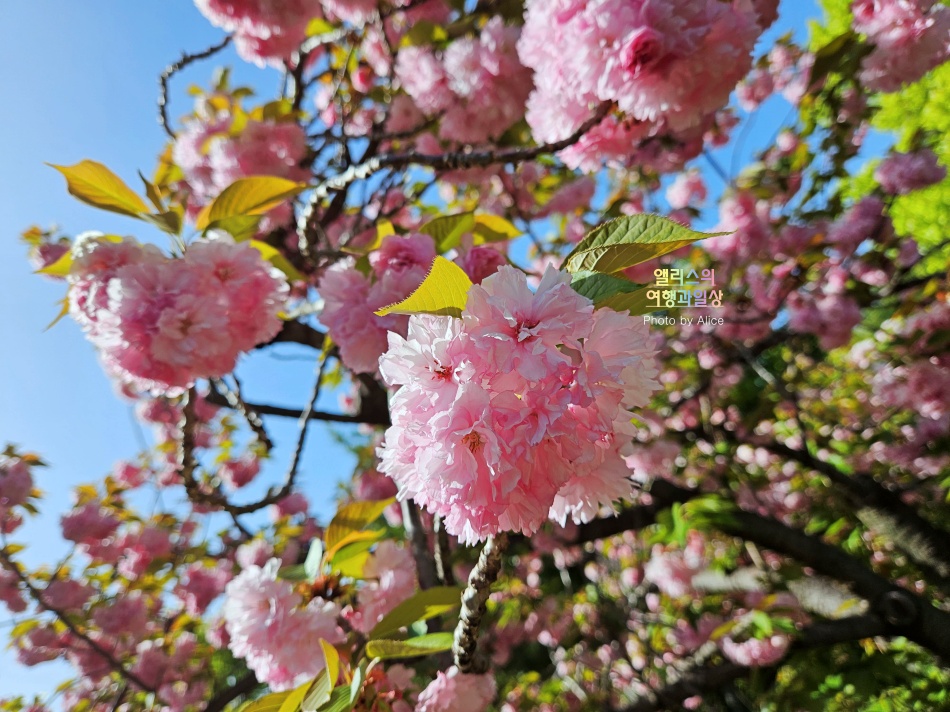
<point x="902" y="173"/>
<point x="16" y="482"/>
<point x="265" y="32"/>
<point x="687" y="189"/>
<point x="162" y="322"/>
<point x="477" y="83"/>
<point x="755" y="652"/>
<point x="201" y="584"/>
<point x="390" y="575"/>
<point x="279" y="640"/>
<point x="239" y="472"/>
<point x="453" y="691"/>
<point x="910" y="37"/>
<point x="666" y="65"/>
<point x="516" y="412"/>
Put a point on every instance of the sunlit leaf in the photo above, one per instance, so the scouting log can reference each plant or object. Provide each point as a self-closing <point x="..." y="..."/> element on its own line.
<point x="423" y="605"/>
<point x="447" y="230"/>
<point x="349" y="522"/>
<point x="273" y="255"/>
<point x="411" y="648"/>
<point x="493" y="228"/>
<point x="267" y="703"/>
<point x="444" y="291"/>
<point x="628" y="241"/>
<point x="350" y="560"/>
<point x="254" y="195"/>
<point x="324" y="683"/>
<point x="96" y="185"/>
<point x="295" y="699"/>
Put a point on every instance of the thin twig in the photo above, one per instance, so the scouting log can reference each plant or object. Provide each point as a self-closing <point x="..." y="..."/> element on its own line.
<point x="173" y="69"/>
<point x="251" y="416"/>
<point x="443" y="565"/>
<point x="37" y="596"/>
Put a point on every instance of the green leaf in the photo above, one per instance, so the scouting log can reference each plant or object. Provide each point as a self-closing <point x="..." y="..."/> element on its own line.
<point x="241" y="227"/>
<point x="295" y="699"/>
<point x="444" y="291"/>
<point x="319" y="693"/>
<point x="169" y="221"/>
<point x="762" y="622"/>
<point x="447" y="230"/>
<point x="423" y="605"/>
<point x="349" y="522"/>
<point x="153" y="194"/>
<point x="424" y="32"/>
<point x="96" y="185"/>
<point x="614" y="292"/>
<point x="314" y="560"/>
<point x="254" y="195"/>
<point x="350" y="560"/>
<point x="340" y="700"/>
<point x="267" y="703"/>
<point x="412" y="648"/>
<point x="297" y="572"/>
<point x="493" y="228"/>
<point x="273" y="255"/>
<point x="628" y="241"/>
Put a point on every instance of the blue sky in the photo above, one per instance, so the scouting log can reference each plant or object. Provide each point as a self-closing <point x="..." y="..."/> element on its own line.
<point x="79" y="81"/>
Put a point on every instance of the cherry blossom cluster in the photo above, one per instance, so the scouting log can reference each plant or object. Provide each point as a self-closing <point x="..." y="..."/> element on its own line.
<point x="668" y="67"/>
<point x="279" y="639"/>
<point x="16" y="487"/>
<point x="162" y="322"/>
<point x="265" y="32"/>
<point x="351" y="297"/>
<point x="910" y="38"/>
<point x="902" y="173"/>
<point x="518" y="411"/>
<point x="212" y="157"/>
<point x="477" y="85"/>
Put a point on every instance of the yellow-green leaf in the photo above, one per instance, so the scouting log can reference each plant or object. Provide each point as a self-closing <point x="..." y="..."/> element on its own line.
<point x="318" y="26"/>
<point x="170" y="221"/>
<point x="324" y="683"/>
<point x="267" y="703"/>
<point x="60" y="268"/>
<point x="412" y="648"/>
<point x="241" y="227"/>
<point x="295" y="699"/>
<point x="273" y="255"/>
<point x="63" y="311"/>
<point x="254" y="195"/>
<point x="628" y="241"/>
<point x="444" y="291"/>
<point x="350" y="560"/>
<point x="349" y="522"/>
<point x="96" y="185"/>
<point x="614" y="292"/>
<point x="493" y="228"/>
<point x="447" y="230"/>
<point x="423" y="605"/>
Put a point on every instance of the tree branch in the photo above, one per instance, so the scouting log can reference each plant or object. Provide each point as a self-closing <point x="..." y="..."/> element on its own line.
<point x="474" y="600"/>
<point x="703" y="679"/>
<point x="173" y="69"/>
<point x="37" y="596"/>
<point x="243" y="686"/>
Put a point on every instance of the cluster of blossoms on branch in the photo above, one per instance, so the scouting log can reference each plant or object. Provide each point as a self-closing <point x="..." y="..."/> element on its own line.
<point x="667" y="67"/>
<point x="160" y="322"/>
<point x="518" y="411"/>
